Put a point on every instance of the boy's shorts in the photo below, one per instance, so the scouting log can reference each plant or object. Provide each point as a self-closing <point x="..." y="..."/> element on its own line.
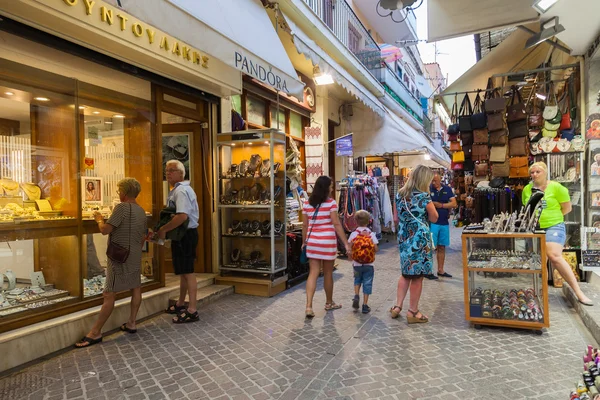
<point x="364" y="275"/>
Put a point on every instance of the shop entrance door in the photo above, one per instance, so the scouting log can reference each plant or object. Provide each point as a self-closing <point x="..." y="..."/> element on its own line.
<point x="190" y="144"/>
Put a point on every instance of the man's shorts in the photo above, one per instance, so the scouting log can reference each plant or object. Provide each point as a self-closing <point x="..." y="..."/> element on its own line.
<point x="184" y="252"/>
<point x="441" y="234"/>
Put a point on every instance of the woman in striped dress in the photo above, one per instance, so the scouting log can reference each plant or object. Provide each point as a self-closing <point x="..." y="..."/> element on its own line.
<point x="319" y="227"/>
<point x="127" y="227"/>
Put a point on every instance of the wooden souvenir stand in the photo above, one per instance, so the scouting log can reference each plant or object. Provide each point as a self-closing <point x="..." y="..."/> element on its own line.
<point x="499" y="263"/>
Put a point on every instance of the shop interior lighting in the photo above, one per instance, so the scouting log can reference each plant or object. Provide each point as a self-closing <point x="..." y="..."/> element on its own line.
<point x="233" y="144"/>
<point x="118" y="116"/>
<point x="548" y="30"/>
<point x="41" y="98"/>
<point x="250" y="144"/>
<point x="9" y="93"/>
<point x="321" y="78"/>
<point x="95" y="112"/>
<point x="540" y="96"/>
<point x="542" y="6"/>
<point x="82" y="107"/>
<point x="108" y="122"/>
<point x="266" y="142"/>
<point x="426" y="156"/>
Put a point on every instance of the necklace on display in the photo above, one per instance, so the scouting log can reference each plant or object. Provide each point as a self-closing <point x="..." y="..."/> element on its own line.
<point x="32" y="191"/>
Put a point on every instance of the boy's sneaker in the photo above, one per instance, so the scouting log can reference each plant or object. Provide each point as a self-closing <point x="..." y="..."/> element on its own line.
<point x="355" y="301"/>
<point x="366" y="309"/>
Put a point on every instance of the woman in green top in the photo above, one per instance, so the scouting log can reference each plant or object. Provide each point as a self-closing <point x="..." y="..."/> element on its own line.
<point x="556" y="204"/>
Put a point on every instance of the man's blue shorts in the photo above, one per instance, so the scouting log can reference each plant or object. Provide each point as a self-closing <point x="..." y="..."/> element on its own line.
<point x="441" y="234"/>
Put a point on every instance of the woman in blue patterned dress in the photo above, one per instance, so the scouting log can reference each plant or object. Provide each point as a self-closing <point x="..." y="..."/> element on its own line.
<point x="415" y="211"/>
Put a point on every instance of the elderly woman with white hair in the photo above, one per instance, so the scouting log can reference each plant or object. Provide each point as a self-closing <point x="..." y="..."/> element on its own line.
<point x="127" y="227"/>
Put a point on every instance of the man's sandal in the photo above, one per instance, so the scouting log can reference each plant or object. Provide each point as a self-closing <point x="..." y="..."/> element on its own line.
<point x="332" y="306"/>
<point x="124" y="328"/>
<point x="186" y="316"/>
<point x="414" y="319"/>
<point x="87" y="342"/>
<point x="175" y="309"/>
<point x="395" y="311"/>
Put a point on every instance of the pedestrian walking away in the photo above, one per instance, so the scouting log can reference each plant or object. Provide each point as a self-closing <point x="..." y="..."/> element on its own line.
<point x="182" y="199"/>
<point x="320" y="224"/>
<point x="444" y="200"/>
<point x="364" y="246"/>
<point x="126" y="227"/>
<point x="415" y="209"/>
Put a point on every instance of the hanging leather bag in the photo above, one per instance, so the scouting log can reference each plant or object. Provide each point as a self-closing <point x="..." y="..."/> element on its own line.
<point x="535" y="135"/>
<point x="480" y="135"/>
<point x="468" y="150"/>
<point x="464" y="118"/>
<point x="494" y="102"/>
<point x="518" y="147"/>
<point x="568" y="134"/>
<point x="551" y="110"/>
<point x="455" y="146"/>
<point x="517" y="129"/>
<point x="481" y="169"/>
<point x="498" y="154"/>
<point x="550" y="126"/>
<point x="516" y="109"/>
<point x="501" y="169"/>
<point x="565" y="122"/>
<point x="478" y="119"/>
<point x="458" y="157"/>
<point x="549" y="133"/>
<point x="456" y="166"/>
<point x="535" y="119"/>
<point x="498" y="138"/>
<point x="519" y="167"/>
<point x="495" y="122"/>
<point x="466" y="138"/>
<point x="481" y="152"/>
<point x="453" y="129"/>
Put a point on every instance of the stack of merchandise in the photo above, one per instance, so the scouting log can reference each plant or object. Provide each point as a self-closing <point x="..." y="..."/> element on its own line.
<point x="519" y="305"/>
<point x="589" y="384"/>
<point x="292" y="208"/>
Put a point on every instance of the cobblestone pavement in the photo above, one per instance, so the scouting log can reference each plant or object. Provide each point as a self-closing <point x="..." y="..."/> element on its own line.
<point x="256" y="348"/>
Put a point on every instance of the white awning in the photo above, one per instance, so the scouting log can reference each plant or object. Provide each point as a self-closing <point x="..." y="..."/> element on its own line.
<point x="312" y="51"/>
<point x="393" y="136"/>
<point x="239" y="33"/>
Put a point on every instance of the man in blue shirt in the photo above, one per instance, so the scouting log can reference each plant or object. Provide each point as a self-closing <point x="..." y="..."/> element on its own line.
<point x="444" y="200"/>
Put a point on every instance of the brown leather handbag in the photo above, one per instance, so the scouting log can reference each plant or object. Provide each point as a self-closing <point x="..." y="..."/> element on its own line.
<point x="495" y="122"/>
<point x="466" y="138"/>
<point x="455" y="146"/>
<point x="534" y="119"/>
<point x="495" y="103"/>
<point x="481" y="152"/>
<point x="517" y="129"/>
<point x="116" y="252"/>
<point x="498" y="154"/>
<point x="501" y="169"/>
<point x="498" y="138"/>
<point x="519" y="167"/>
<point x="516" y="110"/>
<point x="480" y="135"/>
<point x="518" y="147"/>
<point x="481" y="169"/>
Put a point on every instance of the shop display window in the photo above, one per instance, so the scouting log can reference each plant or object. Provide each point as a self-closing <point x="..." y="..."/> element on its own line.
<point x="274" y="117"/>
<point x="257" y="111"/>
<point x="296" y="125"/>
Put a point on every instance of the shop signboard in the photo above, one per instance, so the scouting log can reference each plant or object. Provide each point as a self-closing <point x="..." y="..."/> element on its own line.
<point x="343" y="146"/>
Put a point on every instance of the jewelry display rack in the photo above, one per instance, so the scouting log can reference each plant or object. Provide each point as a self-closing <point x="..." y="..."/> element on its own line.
<point x="506" y="281"/>
<point x="252" y="202"/>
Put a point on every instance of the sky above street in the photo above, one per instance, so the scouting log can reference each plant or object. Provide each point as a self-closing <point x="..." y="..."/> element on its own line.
<point x="455" y="56"/>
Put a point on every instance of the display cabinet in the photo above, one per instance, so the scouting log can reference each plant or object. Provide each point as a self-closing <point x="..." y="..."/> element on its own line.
<point x="506" y="280"/>
<point x="251" y="193"/>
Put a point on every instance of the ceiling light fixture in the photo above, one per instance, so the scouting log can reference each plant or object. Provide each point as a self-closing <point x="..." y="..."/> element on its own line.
<point x="250" y="143"/>
<point x="233" y="144"/>
<point x="96" y="112"/>
<point x="266" y="142"/>
<point x="548" y="30"/>
<point x="320" y="78"/>
<point x="542" y="6"/>
<point x="108" y="122"/>
<point x="82" y="107"/>
<point x="426" y="156"/>
<point x="9" y="93"/>
<point x="118" y="116"/>
<point x="41" y="98"/>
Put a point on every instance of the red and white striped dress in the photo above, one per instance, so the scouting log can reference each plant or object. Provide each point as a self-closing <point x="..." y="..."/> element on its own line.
<point x="322" y="243"/>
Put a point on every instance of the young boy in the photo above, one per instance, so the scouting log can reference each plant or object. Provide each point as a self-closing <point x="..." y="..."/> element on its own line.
<point x="363" y="250"/>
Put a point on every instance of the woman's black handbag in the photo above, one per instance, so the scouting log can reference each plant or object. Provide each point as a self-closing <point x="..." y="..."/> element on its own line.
<point x="164" y="217"/>
<point x="116" y="252"/>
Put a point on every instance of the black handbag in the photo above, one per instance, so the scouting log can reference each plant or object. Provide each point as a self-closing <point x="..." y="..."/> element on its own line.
<point x="164" y="217"/>
<point x="478" y="119"/>
<point x="116" y="252"/>
<point x="466" y="111"/>
<point x="518" y="129"/>
<point x="453" y="129"/>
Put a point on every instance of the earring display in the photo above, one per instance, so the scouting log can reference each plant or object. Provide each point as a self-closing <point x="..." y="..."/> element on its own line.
<point x="506" y="280"/>
<point x="252" y="201"/>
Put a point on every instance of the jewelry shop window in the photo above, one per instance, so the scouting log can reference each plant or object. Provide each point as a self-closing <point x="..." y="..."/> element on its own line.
<point x="39" y="253"/>
<point x="117" y="138"/>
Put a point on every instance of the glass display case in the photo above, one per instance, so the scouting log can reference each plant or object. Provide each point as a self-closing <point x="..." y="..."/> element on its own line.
<point x="251" y="193"/>
<point x="506" y="280"/>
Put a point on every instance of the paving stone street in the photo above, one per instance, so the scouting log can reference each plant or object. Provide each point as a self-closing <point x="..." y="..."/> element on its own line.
<point x="248" y="347"/>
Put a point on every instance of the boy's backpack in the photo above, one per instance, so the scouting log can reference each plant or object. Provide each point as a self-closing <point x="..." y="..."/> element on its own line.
<point x="363" y="248"/>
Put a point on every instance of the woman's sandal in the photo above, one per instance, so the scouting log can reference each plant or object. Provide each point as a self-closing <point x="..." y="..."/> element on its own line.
<point x="124" y="328"/>
<point x="175" y="309"/>
<point x="332" y="306"/>
<point x="87" y="342"/>
<point x="414" y="319"/>
<point x="310" y="313"/>
<point x="395" y="314"/>
<point x="186" y="316"/>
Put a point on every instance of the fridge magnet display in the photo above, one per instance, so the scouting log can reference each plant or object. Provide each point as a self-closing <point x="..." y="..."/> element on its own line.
<point x="92" y="190"/>
<point x="571" y="259"/>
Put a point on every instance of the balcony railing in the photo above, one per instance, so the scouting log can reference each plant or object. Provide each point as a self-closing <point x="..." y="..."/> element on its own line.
<point x="346" y="26"/>
<point x="396" y="88"/>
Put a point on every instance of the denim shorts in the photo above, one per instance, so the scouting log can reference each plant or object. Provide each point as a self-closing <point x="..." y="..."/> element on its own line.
<point x="364" y="275"/>
<point x="556" y="234"/>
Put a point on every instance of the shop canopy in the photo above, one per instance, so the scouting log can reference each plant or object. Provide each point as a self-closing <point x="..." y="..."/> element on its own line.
<point x="394" y="137"/>
<point x="327" y="65"/>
